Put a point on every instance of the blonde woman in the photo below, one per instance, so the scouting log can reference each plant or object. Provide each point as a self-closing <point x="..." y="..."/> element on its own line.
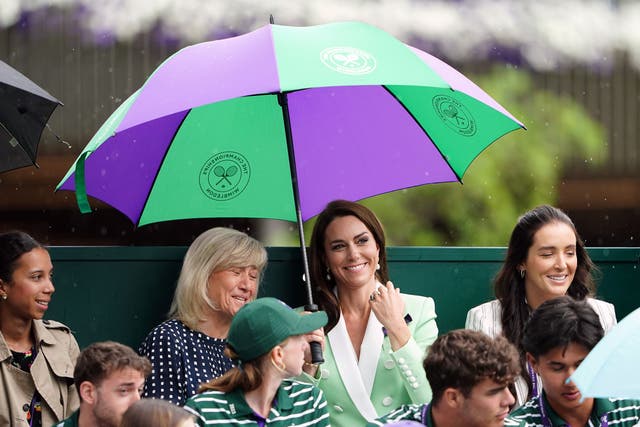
<point x="220" y="274"/>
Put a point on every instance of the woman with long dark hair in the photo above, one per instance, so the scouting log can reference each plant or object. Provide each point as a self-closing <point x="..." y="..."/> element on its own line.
<point x="376" y="336"/>
<point x="546" y="258"/>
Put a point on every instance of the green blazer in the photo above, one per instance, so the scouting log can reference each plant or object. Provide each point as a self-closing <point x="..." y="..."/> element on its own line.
<point x="382" y="380"/>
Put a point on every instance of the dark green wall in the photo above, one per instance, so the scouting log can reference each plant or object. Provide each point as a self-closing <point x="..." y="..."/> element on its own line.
<point x="120" y="293"/>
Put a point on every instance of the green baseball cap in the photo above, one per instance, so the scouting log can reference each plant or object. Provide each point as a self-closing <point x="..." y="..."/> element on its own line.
<point x="264" y="323"/>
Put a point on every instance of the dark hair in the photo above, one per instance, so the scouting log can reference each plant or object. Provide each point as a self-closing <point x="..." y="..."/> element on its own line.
<point x="101" y="359"/>
<point x="462" y="358"/>
<point x="322" y="287"/>
<point x="559" y="322"/>
<point x="509" y="284"/>
<point x="247" y="376"/>
<point x="154" y="412"/>
<point x="14" y="244"/>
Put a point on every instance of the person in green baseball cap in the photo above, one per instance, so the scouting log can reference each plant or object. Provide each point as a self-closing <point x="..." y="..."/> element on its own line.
<point x="267" y="341"/>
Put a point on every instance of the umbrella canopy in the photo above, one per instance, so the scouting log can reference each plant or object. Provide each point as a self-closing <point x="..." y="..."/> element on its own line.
<point x="240" y="127"/>
<point x="611" y="367"/>
<point x="278" y="122"/>
<point x="25" y="109"/>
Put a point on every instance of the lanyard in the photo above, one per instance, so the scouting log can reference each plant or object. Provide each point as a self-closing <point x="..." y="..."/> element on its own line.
<point x="534" y="380"/>
<point x="32" y="408"/>
<point x="546" y="422"/>
<point x="425" y="413"/>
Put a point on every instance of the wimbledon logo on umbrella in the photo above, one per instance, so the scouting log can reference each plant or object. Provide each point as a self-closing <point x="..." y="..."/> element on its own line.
<point x="225" y="175"/>
<point x="348" y="60"/>
<point x="455" y="115"/>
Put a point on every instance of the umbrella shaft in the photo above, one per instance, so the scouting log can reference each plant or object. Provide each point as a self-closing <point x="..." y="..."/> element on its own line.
<point x="284" y="104"/>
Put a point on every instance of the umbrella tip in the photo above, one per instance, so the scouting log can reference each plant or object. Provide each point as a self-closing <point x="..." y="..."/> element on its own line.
<point x="271" y="21"/>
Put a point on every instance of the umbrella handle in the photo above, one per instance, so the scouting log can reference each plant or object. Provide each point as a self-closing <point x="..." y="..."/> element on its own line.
<point x="314" y="346"/>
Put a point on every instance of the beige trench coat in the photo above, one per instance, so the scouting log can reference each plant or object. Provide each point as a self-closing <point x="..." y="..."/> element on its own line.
<point x="51" y="374"/>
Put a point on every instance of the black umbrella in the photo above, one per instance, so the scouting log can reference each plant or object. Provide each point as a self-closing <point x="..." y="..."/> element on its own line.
<point x="25" y="109"/>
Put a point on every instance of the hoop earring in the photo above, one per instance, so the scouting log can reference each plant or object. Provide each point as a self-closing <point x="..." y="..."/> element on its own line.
<point x="279" y="368"/>
<point x="522" y="273"/>
<point x="328" y="276"/>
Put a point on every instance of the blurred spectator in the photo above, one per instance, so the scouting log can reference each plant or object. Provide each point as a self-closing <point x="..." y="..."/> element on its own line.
<point x="156" y="413"/>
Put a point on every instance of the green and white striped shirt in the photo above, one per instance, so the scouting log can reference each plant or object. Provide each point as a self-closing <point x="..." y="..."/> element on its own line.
<point x="295" y="404"/>
<point x="413" y="412"/>
<point x="618" y="412"/>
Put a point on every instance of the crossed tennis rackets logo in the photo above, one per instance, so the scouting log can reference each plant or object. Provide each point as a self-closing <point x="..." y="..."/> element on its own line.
<point x="225" y="175"/>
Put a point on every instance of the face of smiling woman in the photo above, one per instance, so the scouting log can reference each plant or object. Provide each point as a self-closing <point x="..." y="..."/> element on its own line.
<point x="351" y="252"/>
<point x="231" y="288"/>
<point x="30" y="289"/>
<point x="551" y="263"/>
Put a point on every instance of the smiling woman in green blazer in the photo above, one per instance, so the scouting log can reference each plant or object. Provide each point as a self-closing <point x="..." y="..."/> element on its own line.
<point x="376" y="337"/>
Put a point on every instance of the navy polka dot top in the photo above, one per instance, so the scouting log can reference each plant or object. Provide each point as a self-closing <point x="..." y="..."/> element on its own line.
<point x="182" y="359"/>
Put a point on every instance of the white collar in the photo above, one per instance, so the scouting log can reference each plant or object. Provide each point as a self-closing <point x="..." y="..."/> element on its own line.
<point x="358" y="376"/>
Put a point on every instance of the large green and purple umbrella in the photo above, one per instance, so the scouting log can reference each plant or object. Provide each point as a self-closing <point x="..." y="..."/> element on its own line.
<point x="278" y="122"/>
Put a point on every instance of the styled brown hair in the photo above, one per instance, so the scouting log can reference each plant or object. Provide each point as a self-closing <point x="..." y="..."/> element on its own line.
<point x="154" y="412"/>
<point x="462" y="358"/>
<point x="322" y="287"/>
<point x="509" y="284"/>
<point x="101" y="359"/>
